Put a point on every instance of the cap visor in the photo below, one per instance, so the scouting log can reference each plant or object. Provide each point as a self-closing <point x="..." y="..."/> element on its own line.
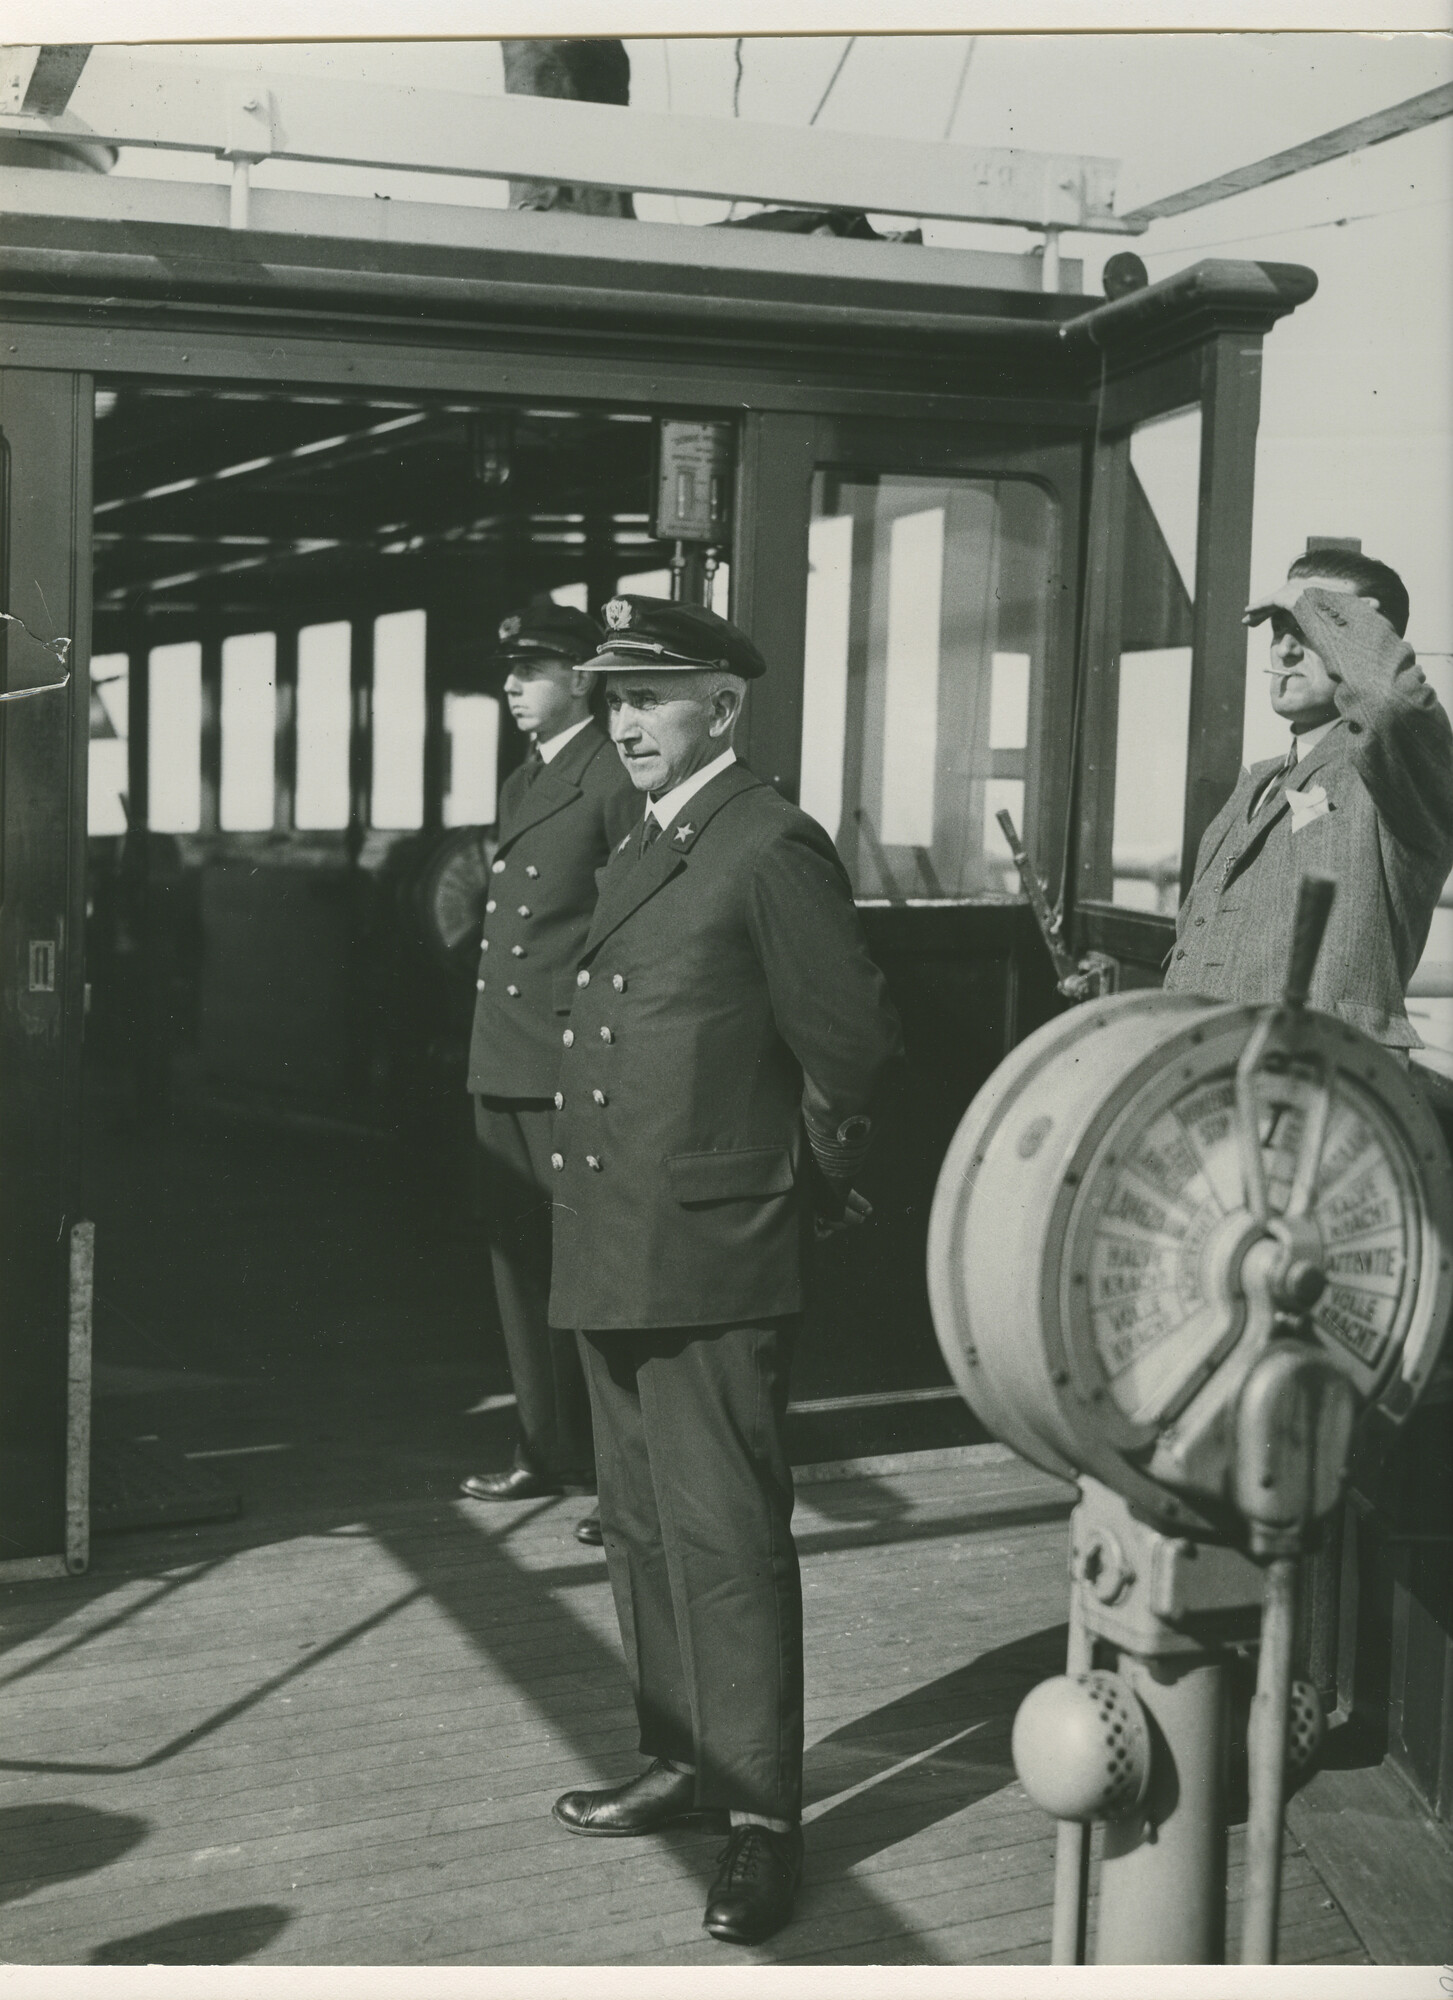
<point x="647" y="662"/>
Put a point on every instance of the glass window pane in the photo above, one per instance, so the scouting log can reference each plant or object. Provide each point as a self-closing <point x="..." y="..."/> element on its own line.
<point x="574" y="596"/>
<point x="825" y="668"/>
<point x="645" y="583"/>
<point x="110" y="721"/>
<point x="1157" y="609"/>
<point x="927" y="622"/>
<point x="1151" y="738"/>
<point x="657" y="583"/>
<point x="1009" y="701"/>
<point x="910" y="732"/>
<point x="325" y="712"/>
<point x="398" y="719"/>
<point x="1165" y="456"/>
<point x="174" y="719"/>
<point x="249" y="731"/>
<point x="471" y="722"/>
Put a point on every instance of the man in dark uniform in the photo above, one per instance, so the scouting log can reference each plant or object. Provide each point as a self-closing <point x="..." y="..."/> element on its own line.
<point x="720" y="1069"/>
<point x="560" y="816"/>
<point x="1364" y="794"/>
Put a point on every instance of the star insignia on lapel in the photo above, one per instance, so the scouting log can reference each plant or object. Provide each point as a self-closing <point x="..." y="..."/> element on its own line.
<point x="621" y="846"/>
<point x="684" y="833"/>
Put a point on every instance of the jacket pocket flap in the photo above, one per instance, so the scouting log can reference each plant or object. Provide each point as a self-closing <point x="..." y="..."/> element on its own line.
<point x="731" y="1176"/>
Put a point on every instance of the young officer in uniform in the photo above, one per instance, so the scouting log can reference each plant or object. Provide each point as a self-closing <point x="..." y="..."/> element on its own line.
<point x="560" y="816"/>
<point x="720" y="1069"/>
<point x="1364" y="793"/>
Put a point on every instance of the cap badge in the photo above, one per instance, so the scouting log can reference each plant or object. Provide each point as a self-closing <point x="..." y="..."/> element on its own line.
<point x="618" y="614"/>
<point x="509" y="628"/>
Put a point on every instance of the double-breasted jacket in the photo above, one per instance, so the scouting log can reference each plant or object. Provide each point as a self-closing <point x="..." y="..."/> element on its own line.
<point x="725" y="994"/>
<point x="556" y="833"/>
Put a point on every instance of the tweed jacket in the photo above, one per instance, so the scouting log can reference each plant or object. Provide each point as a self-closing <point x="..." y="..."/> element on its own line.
<point x="1374" y="810"/>
<point x="725" y="992"/>
<point x="555" y="835"/>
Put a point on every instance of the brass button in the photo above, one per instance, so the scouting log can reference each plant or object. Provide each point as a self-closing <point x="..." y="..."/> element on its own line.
<point x="569" y="1038"/>
<point x="599" y="1096"/>
<point x="490" y="905"/>
<point x="606" y="1035"/>
<point x="1199" y="922"/>
<point x="618" y="982"/>
<point x="532" y="871"/>
<point x="484" y="944"/>
<point x="592" y="1162"/>
<point x="513" y="991"/>
<point x="1180" y="954"/>
<point x="524" y="909"/>
<point x="517" y="951"/>
<point x="497" y="868"/>
<point x="479" y="986"/>
<point x="560" y="1100"/>
<point x="557" y="1161"/>
<point x="582" y="979"/>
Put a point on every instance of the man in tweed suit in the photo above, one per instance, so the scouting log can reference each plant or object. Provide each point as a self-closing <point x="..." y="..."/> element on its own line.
<point x="560" y="815"/>
<point x="721" y="1067"/>
<point x="1365" y="794"/>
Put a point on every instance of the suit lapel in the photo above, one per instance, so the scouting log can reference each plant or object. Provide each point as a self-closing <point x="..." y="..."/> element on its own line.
<point x="556" y="787"/>
<point x="1265" y="819"/>
<point x="1231" y="815"/>
<point x="631" y="878"/>
<point x="1320" y="754"/>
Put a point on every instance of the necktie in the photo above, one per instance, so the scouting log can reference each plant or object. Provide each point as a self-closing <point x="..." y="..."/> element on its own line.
<point x="650" y="831"/>
<point x="534" y="765"/>
<point x="1272" y="791"/>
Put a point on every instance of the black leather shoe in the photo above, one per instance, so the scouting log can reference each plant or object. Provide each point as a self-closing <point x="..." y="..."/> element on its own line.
<point x="521" y="1482"/>
<point x="658" y="1797"/>
<point x="589" y="1530"/>
<point x="757" y="1874"/>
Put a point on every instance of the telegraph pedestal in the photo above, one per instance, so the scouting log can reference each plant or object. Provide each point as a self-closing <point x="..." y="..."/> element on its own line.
<point x="1161" y="1616"/>
<point x="1178" y="1251"/>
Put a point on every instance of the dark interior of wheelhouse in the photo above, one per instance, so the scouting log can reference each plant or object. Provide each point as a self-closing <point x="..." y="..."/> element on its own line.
<point x="294" y="757"/>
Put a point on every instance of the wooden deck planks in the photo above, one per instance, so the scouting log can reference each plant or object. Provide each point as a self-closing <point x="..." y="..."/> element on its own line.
<point x="319" y="1746"/>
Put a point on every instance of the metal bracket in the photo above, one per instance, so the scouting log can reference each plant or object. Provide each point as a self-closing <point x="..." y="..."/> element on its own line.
<point x="250" y="137"/>
<point x="1152" y="1594"/>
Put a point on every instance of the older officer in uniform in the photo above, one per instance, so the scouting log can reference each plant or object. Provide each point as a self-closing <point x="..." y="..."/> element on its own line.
<point x="1364" y="793"/>
<point x="726" y="1046"/>
<point x="560" y="816"/>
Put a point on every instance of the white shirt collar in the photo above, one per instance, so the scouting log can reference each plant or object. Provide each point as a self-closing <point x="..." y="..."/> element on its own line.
<point x="665" y="809"/>
<point x="552" y="746"/>
<point x="1310" y="738"/>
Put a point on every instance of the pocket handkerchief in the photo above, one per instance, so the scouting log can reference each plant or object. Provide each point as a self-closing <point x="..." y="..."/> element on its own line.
<point x="1307" y="806"/>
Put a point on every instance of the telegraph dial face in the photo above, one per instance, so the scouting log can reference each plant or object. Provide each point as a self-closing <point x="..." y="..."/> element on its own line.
<point x="1155" y="1248"/>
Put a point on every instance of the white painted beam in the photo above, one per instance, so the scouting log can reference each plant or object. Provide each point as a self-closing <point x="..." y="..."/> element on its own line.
<point x="123" y="101"/>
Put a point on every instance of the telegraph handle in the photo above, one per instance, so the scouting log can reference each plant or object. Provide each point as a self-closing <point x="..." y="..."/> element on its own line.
<point x="1314" y="906"/>
<point x="1076" y="981"/>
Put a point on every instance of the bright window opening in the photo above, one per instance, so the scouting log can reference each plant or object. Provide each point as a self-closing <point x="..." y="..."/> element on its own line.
<point x="471" y="724"/>
<point x="249" y="732"/>
<point x="174" y="713"/>
<point x="928" y="607"/>
<point x="398" y="720"/>
<point x="324" y="713"/>
<point x="110" y="724"/>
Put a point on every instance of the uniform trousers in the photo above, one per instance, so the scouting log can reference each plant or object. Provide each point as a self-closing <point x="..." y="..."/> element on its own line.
<point x="551" y="1399"/>
<point x="696" y="1507"/>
